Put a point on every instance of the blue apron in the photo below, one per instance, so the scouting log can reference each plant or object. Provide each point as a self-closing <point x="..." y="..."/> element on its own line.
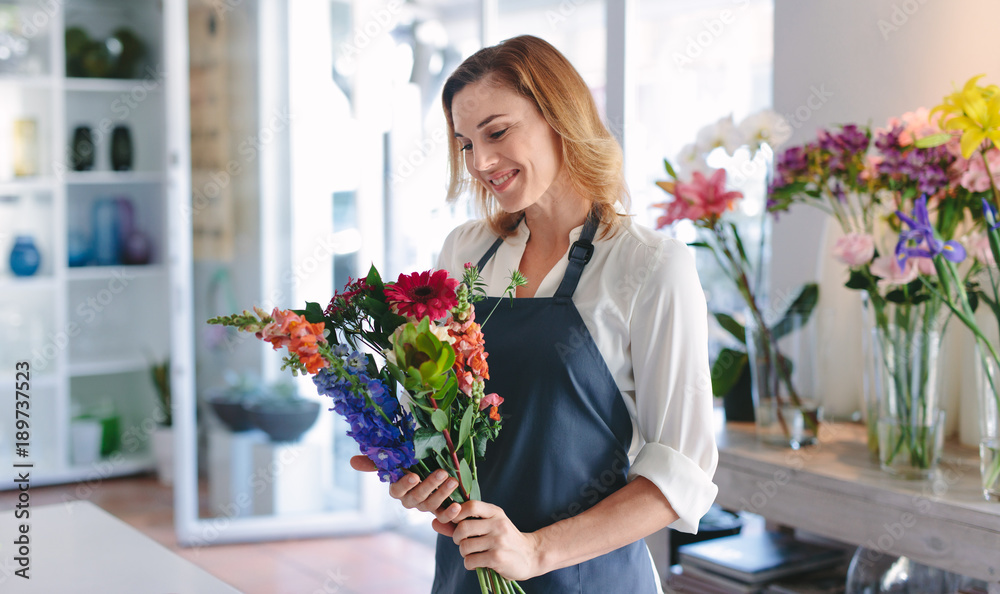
<point x="565" y="436"/>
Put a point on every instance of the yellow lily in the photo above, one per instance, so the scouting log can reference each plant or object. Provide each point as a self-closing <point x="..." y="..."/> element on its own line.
<point x="974" y="110"/>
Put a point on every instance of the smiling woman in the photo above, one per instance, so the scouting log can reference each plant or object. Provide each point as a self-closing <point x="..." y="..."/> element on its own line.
<point x="602" y="358"/>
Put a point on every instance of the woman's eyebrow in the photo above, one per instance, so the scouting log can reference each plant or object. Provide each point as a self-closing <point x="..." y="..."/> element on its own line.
<point x="482" y="123"/>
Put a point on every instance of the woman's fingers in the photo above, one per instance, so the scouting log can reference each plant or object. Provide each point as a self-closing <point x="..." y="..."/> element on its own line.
<point x="362" y="463"/>
<point x="444" y="528"/>
<point x="426" y="495"/>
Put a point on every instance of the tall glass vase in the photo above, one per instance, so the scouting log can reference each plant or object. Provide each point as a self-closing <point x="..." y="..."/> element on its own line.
<point x="906" y="344"/>
<point x="787" y="411"/>
<point x="988" y="377"/>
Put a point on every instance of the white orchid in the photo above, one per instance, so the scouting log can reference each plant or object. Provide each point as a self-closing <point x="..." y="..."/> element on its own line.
<point x="722" y="133"/>
<point x="765" y="127"/>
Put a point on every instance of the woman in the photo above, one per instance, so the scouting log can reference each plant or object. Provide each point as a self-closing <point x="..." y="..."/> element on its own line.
<point x="602" y="357"/>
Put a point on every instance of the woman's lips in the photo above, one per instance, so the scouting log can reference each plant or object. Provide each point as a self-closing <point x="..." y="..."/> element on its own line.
<point x="502" y="182"/>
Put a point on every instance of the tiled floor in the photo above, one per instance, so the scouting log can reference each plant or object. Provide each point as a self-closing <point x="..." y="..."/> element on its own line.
<point x="383" y="563"/>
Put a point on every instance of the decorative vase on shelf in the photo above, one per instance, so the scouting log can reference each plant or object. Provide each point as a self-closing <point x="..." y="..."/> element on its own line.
<point x="988" y="390"/>
<point x="82" y="149"/>
<point x="908" y="410"/>
<point x="25" y="147"/>
<point x="788" y="412"/>
<point x="105" y="232"/>
<point x="24" y="257"/>
<point x="121" y="148"/>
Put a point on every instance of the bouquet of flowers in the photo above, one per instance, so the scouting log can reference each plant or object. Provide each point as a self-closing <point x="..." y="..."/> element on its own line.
<point x="700" y="196"/>
<point x="892" y="191"/>
<point x="971" y="118"/>
<point x="405" y="364"/>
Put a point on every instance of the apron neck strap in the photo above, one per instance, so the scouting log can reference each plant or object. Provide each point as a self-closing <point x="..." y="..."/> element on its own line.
<point x="579" y="254"/>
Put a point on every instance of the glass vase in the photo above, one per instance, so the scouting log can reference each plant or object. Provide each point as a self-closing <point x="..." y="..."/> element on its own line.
<point x="988" y="390"/>
<point x="906" y="344"/>
<point x="787" y="411"/>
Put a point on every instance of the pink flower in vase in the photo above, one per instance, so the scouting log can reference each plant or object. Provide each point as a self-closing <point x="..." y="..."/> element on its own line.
<point x="701" y="198"/>
<point x="888" y="270"/>
<point x="854" y="249"/>
<point x="973" y="171"/>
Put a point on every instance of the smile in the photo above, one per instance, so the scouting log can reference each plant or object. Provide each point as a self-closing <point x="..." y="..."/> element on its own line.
<point x="500" y="182"/>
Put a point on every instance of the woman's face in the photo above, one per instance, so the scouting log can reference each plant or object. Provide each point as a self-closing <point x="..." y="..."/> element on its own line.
<point x="508" y="145"/>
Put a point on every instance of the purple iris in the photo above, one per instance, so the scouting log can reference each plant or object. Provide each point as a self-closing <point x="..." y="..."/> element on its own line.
<point x="990" y="212"/>
<point x="922" y="232"/>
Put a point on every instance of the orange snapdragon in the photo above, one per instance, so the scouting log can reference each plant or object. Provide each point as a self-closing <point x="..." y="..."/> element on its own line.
<point x="300" y="337"/>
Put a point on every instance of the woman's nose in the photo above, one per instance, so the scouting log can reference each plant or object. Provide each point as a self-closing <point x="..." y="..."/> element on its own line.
<point x="483" y="158"/>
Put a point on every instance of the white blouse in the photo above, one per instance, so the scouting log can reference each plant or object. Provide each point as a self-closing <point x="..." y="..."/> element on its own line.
<point x="641" y="300"/>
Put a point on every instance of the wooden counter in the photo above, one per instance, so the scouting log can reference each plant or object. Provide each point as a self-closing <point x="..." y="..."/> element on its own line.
<point x="833" y="489"/>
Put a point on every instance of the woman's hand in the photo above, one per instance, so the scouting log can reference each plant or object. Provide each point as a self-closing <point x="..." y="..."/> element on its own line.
<point x="487" y="538"/>
<point x="427" y="495"/>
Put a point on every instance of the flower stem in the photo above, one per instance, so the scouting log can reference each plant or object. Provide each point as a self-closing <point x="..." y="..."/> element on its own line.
<point x="454" y="456"/>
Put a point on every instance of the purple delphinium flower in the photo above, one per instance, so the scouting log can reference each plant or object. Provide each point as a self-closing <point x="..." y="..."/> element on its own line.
<point x="383" y="429"/>
<point x="921" y="232"/>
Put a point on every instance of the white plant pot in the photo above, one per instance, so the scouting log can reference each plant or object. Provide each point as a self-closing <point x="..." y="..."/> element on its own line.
<point x="163" y="451"/>
<point x="86" y="435"/>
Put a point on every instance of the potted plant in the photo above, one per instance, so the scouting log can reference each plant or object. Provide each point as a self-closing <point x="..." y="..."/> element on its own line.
<point x="231" y="403"/>
<point x="163" y="435"/>
<point x="283" y="414"/>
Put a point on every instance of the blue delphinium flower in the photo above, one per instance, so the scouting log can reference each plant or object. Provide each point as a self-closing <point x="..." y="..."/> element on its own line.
<point x="356" y="363"/>
<point x="921" y="233"/>
<point x="341" y="350"/>
<point x="383" y="429"/>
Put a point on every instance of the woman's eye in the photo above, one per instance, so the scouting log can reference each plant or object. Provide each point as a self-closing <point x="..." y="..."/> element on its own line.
<point x="498" y="134"/>
<point x="466" y="147"/>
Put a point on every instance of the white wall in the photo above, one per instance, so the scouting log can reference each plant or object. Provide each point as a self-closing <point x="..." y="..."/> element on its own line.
<point x="862" y="61"/>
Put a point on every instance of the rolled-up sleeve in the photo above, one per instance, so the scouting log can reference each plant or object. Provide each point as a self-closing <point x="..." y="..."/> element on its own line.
<point x="673" y="385"/>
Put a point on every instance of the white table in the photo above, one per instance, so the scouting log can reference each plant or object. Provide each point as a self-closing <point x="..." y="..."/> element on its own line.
<point x="78" y="547"/>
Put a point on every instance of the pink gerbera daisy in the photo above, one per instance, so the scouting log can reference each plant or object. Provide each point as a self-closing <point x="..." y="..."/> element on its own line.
<point x="430" y="293"/>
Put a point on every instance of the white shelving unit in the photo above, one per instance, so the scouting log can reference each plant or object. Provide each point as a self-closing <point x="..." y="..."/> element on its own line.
<point x="90" y="332"/>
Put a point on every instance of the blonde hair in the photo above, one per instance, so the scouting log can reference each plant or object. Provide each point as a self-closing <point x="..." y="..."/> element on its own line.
<point x="536" y="70"/>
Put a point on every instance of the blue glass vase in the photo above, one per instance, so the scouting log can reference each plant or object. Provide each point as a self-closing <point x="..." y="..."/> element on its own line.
<point x="104" y="240"/>
<point x="24" y="258"/>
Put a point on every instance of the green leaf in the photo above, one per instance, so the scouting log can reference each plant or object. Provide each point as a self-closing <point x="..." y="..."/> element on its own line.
<point x="739" y="243"/>
<point x="474" y="491"/>
<point x="480" y="442"/>
<point x="440" y="420"/>
<point x="466" y="473"/>
<point x="731" y="326"/>
<point x="466" y="427"/>
<point x="427" y="441"/>
<point x="933" y="140"/>
<point x="858" y="281"/>
<point x="314" y="313"/>
<point x="801" y="309"/>
<point x="700" y="244"/>
<point x="447" y="393"/>
<point x="374" y="281"/>
<point x="670" y="169"/>
<point x="726" y="370"/>
<point x="896" y="296"/>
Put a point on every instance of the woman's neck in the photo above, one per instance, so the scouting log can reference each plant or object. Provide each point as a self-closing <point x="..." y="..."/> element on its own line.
<point x="550" y="221"/>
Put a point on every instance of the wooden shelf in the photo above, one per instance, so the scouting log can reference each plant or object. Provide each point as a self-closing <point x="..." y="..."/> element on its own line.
<point x="835" y="490"/>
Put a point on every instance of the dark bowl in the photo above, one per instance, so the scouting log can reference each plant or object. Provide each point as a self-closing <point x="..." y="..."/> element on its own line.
<point x="284" y="421"/>
<point x="232" y="413"/>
